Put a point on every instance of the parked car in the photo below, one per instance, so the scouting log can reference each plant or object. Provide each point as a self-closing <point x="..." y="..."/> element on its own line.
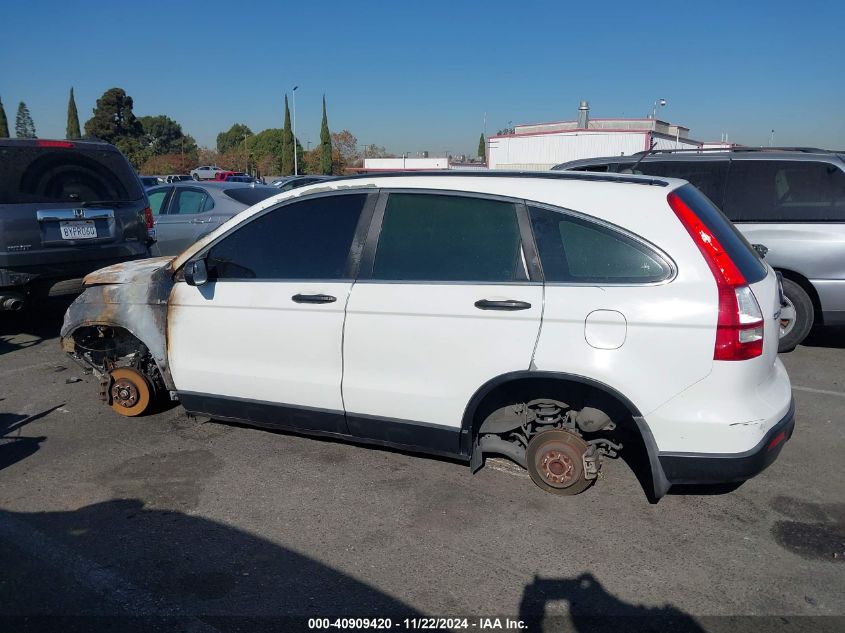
<point x="422" y="298"/>
<point x="184" y="212"/>
<point x="66" y="208"/>
<point x="206" y="172"/>
<point x="791" y="200"/>
<point x="177" y="178"/>
<point x="294" y="182"/>
<point x="149" y="181"/>
<point x="241" y="179"/>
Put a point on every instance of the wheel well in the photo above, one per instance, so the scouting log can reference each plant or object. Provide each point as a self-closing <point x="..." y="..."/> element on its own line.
<point x="576" y="391"/>
<point x="805" y="284"/>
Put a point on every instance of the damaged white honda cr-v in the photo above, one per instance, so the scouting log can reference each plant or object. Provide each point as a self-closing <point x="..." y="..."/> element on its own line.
<point x="551" y="318"/>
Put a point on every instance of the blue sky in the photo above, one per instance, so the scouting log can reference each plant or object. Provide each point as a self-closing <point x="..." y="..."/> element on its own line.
<point x="420" y="76"/>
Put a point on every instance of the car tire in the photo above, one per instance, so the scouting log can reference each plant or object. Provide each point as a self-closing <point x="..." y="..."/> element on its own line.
<point x="797" y="316"/>
<point x="195" y="176"/>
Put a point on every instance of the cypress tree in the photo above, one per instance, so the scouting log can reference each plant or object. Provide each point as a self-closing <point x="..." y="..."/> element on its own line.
<point x="24" y="126"/>
<point x="73" y="131"/>
<point x="4" y="122"/>
<point x="287" y="143"/>
<point x="482" y="150"/>
<point x="325" y="144"/>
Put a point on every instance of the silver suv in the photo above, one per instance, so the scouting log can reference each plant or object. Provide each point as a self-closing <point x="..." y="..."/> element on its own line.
<point x="791" y="200"/>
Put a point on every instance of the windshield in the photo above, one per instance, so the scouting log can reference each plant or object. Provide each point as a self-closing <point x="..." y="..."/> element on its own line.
<point x="43" y="174"/>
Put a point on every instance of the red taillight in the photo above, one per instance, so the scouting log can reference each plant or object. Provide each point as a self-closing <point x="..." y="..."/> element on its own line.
<point x="148" y="217"/>
<point x="43" y="143"/>
<point x="739" y="331"/>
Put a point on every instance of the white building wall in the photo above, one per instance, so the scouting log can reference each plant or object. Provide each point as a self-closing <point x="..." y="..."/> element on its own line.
<point x="406" y="163"/>
<point x="544" y="151"/>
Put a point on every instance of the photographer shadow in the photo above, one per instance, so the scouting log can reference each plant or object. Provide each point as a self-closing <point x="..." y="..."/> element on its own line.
<point x="591" y="609"/>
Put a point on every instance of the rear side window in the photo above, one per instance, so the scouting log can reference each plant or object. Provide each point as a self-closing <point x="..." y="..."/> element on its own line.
<point x="708" y="175"/>
<point x="448" y="238"/>
<point x="188" y="202"/>
<point x="785" y="191"/>
<point x="250" y="195"/>
<point x="740" y="251"/>
<point x="303" y="240"/>
<point x="574" y="250"/>
<point x="31" y="174"/>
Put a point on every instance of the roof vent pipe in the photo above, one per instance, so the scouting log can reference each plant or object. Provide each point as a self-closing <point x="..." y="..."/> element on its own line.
<point x="583" y="115"/>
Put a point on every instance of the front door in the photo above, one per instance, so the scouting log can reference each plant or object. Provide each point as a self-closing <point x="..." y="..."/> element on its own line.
<point x="261" y="340"/>
<point x="443" y="303"/>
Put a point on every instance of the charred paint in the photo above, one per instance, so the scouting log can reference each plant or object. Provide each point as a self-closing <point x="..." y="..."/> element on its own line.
<point x="132" y="296"/>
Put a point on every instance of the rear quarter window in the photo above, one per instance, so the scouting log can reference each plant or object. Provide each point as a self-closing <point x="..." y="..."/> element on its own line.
<point x="31" y="174"/>
<point x="785" y="191"/>
<point x="577" y="250"/>
<point x="250" y="195"/>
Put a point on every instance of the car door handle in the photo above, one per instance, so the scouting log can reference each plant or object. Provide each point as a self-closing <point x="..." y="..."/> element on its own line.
<point x="506" y="304"/>
<point x="299" y="298"/>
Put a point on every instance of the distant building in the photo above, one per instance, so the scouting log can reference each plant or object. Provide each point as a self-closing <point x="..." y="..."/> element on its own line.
<point x="538" y="146"/>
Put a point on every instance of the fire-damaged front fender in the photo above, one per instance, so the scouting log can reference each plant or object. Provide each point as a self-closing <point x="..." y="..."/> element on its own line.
<point x="129" y="297"/>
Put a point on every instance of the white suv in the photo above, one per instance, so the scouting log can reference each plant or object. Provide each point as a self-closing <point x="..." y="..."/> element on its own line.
<point x="544" y="317"/>
<point x="205" y="172"/>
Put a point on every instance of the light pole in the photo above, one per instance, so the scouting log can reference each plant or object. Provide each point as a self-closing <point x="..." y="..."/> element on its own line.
<point x="657" y="102"/>
<point x="295" y="162"/>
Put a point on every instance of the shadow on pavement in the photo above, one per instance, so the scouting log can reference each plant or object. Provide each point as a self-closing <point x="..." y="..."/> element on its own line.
<point x="592" y="609"/>
<point x="15" y="448"/>
<point x="833" y="337"/>
<point x="32" y="325"/>
<point x="120" y="566"/>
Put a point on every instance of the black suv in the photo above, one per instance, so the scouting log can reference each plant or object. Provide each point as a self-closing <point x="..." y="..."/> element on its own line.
<point x="66" y="208"/>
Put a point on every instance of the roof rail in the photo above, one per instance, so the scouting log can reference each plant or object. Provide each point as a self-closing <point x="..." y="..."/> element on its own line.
<point x="700" y="150"/>
<point x="494" y="173"/>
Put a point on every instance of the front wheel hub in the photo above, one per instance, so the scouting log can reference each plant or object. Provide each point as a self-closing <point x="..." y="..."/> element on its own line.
<point x="130" y="392"/>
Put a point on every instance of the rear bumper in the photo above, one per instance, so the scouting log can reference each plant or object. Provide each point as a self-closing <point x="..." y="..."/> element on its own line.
<point x="41" y="277"/>
<point x="715" y="468"/>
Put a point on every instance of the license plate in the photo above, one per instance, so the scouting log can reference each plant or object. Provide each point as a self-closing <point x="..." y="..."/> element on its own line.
<point x="78" y="230"/>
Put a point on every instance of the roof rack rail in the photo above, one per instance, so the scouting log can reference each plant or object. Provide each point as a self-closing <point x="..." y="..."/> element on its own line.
<point x="494" y="173"/>
<point x="700" y="150"/>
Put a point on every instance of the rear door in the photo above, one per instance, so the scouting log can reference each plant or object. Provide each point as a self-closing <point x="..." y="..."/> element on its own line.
<point x="444" y="303"/>
<point x="186" y="217"/>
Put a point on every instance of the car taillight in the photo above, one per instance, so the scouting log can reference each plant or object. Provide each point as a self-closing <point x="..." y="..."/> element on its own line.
<point x="739" y="331"/>
<point x="45" y="143"/>
<point x="148" y="217"/>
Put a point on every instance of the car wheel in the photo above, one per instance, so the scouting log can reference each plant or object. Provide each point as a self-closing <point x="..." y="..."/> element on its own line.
<point x="555" y="461"/>
<point x="195" y="176"/>
<point x="796" y="316"/>
<point x="131" y="393"/>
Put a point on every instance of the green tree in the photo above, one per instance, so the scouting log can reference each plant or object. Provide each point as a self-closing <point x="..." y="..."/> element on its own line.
<point x="73" y="131"/>
<point x="4" y="122"/>
<point x="286" y="163"/>
<point x="234" y="136"/>
<point x="113" y="120"/>
<point x="482" y="148"/>
<point x="163" y="135"/>
<point x="325" y="144"/>
<point x="24" y="126"/>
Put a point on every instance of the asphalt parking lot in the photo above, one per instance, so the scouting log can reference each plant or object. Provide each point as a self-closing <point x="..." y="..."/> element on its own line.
<point x="192" y="521"/>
